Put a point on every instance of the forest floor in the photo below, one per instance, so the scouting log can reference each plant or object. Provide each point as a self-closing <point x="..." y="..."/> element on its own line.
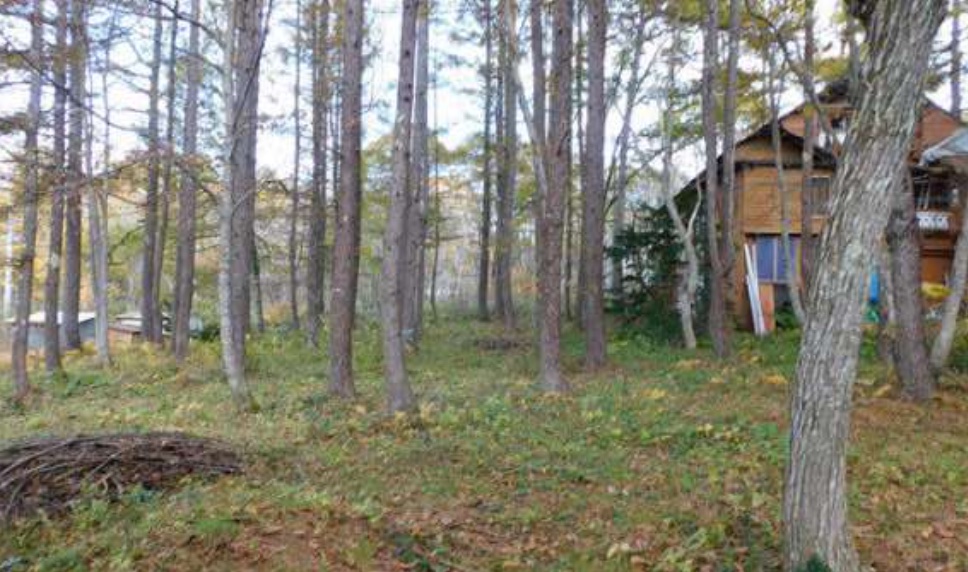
<point x="666" y="461"/>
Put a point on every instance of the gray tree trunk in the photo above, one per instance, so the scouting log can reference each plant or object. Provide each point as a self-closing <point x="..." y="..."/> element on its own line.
<point x="316" y="241"/>
<point x="941" y="349"/>
<point x="187" y="197"/>
<point x="149" y="297"/>
<point x="399" y="395"/>
<point x="593" y="193"/>
<point x="775" y="88"/>
<point x="484" y="259"/>
<point x="900" y="34"/>
<point x="52" y="282"/>
<point x="623" y="143"/>
<point x="346" y="243"/>
<point x="553" y="201"/>
<point x="245" y="41"/>
<point x="911" y="360"/>
<point x="728" y="189"/>
<point x="25" y="265"/>
<point x="807" y="208"/>
<point x="507" y="180"/>
<point x="167" y="180"/>
<point x="97" y="218"/>
<point x="956" y="58"/>
<point x="293" y="254"/>
<point x="75" y="167"/>
<point x="718" y="330"/>
<point x="419" y="188"/>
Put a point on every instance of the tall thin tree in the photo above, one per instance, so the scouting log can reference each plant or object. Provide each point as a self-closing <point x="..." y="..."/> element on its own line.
<point x="149" y="297"/>
<point x="316" y="259"/>
<point x="484" y="258"/>
<point x="25" y="265"/>
<point x="187" y="196"/>
<point x="77" y="181"/>
<point x="346" y="242"/>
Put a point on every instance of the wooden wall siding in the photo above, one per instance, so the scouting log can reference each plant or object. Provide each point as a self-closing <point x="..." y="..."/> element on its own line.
<point x="760" y="150"/>
<point x="761" y="200"/>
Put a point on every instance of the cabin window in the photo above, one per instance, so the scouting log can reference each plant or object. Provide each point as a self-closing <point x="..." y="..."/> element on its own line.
<point x="931" y="194"/>
<point x="771" y="258"/>
<point x="819" y="189"/>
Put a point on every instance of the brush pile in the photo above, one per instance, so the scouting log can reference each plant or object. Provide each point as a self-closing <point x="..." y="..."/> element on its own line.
<point x="49" y="474"/>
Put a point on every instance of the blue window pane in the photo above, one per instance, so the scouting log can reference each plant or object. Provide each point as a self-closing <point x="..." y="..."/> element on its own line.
<point x="765" y="257"/>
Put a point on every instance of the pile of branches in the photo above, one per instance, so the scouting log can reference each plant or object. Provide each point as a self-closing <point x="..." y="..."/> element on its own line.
<point x="49" y="474"/>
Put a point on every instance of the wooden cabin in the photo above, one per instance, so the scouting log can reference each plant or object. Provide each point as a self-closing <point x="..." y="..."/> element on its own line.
<point x="758" y="206"/>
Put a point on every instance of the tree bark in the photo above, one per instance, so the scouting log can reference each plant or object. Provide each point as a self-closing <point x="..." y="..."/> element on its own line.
<point x="593" y="193"/>
<point x="167" y="180"/>
<point x="149" y="297"/>
<point x="807" y="208"/>
<point x="911" y="360"/>
<point x="484" y="259"/>
<point x="941" y="349"/>
<point x="623" y="143"/>
<point x="507" y="181"/>
<point x="235" y="222"/>
<point x="900" y="34"/>
<point x="52" y="282"/>
<point x="97" y="210"/>
<point x="789" y="254"/>
<point x="316" y="263"/>
<point x="399" y="395"/>
<point x="553" y="203"/>
<point x="293" y="254"/>
<point x="75" y="167"/>
<point x="187" y="198"/>
<point x="346" y="243"/>
<point x="419" y="190"/>
<point x="727" y="238"/>
<point x="718" y="330"/>
<point x="956" y="58"/>
<point x="25" y="265"/>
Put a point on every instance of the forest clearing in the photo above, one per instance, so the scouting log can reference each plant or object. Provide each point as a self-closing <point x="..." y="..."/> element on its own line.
<point x="667" y="460"/>
<point x="451" y="285"/>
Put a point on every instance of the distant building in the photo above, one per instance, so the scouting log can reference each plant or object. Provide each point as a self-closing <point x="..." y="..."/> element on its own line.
<point x="35" y="335"/>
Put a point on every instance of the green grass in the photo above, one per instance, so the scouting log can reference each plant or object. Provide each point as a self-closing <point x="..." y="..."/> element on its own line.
<point x="665" y="461"/>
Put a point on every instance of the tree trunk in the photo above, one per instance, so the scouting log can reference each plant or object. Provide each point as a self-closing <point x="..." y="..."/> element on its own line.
<point x="941" y="349"/>
<point x="727" y="236"/>
<point x="623" y="144"/>
<point x="593" y="193"/>
<point x="956" y="58"/>
<point x="553" y="203"/>
<point x="293" y="254"/>
<point x="187" y="198"/>
<point x="484" y="259"/>
<point x="400" y="397"/>
<point x="579" y="127"/>
<point x="75" y="166"/>
<point x="98" y="216"/>
<point x="807" y="208"/>
<point x="235" y="222"/>
<point x="25" y="265"/>
<point x="911" y="360"/>
<point x="789" y="254"/>
<point x="815" y="503"/>
<point x="316" y="263"/>
<point x="419" y="190"/>
<point x="52" y="283"/>
<point x="149" y="298"/>
<point x="167" y="181"/>
<point x="539" y="97"/>
<point x="718" y="330"/>
<point x="258" y="307"/>
<point x="507" y="178"/>
<point x="346" y="243"/>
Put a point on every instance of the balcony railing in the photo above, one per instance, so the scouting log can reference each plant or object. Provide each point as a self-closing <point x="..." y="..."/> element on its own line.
<point x="935" y="221"/>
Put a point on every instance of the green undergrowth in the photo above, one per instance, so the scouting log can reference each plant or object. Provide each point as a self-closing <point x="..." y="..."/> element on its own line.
<point x="666" y="460"/>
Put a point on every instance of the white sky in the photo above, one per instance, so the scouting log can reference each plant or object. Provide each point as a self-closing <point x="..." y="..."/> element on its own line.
<point x="459" y="113"/>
